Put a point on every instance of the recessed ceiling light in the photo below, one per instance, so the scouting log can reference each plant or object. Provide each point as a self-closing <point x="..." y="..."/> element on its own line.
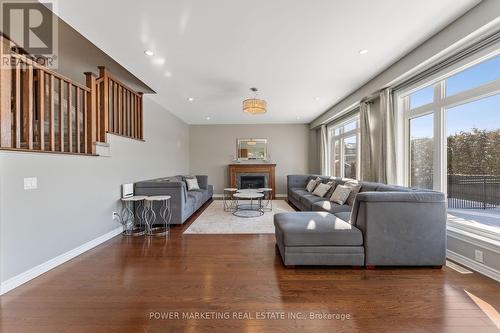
<point x="298" y="118"/>
<point x="207" y="117"/>
<point x="149" y="53"/>
<point x="316" y="98"/>
<point x="364" y="51"/>
<point x="168" y="74"/>
<point x="190" y="99"/>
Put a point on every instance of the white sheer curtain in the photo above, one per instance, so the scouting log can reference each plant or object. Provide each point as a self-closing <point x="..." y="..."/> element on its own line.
<point x="387" y="163"/>
<point x="323" y="150"/>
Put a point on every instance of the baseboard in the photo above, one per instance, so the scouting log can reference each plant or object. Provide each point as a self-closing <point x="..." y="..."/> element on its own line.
<point x="32" y="273"/>
<point x="474" y="265"/>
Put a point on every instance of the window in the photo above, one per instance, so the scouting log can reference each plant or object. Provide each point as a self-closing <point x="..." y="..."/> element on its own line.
<point x="344" y="152"/>
<point x="452" y="135"/>
<point x="421" y="151"/>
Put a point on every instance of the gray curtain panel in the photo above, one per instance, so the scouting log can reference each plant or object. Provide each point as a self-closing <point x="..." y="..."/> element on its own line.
<point x="366" y="147"/>
<point x="323" y="150"/>
<point x="378" y="135"/>
<point x="387" y="163"/>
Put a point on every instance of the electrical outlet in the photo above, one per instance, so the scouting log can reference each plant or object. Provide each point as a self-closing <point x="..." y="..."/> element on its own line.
<point x="115" y="216"/>
<point x="478" y="255"/>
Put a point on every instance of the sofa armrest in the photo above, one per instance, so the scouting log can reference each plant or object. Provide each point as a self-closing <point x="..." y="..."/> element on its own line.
<point x="202" y="181"/>
<point x="402" y="228"/>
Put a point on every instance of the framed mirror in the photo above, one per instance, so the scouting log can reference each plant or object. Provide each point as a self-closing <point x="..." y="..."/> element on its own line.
<point x="251" y="149"/>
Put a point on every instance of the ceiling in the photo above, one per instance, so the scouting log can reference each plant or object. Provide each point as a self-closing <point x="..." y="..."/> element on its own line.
<point x="302" y="55"/>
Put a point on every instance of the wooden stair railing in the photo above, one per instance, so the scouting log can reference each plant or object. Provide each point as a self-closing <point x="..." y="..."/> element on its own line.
<point x="42" y="110"/>
<point x="120" y="108"/>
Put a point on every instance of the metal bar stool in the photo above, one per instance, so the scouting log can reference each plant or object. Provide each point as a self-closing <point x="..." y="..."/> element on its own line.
<point x="150" y="215"/>
<point x="268" y="202"/>
<point x="227" y="197"/>
<point x="130" y="217"/>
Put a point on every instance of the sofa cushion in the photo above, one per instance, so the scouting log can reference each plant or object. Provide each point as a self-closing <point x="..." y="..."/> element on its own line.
<point x="392" y="188"/>
<point x="197" y="196"/>
<point x="308" y="199"/>
<point x="330" y="207"/>
<point x="344" y="216"/>
<point x="315" y="229"/>
<point x="298" y="192"/>
<point x="369" y="186"/>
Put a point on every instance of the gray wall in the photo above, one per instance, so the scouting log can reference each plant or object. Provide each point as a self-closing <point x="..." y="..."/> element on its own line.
<point x="76" y="195"/>
<point x="212" y="148"/>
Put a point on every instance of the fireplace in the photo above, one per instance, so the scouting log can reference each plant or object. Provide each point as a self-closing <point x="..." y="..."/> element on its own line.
<point x="252" y="175"/>
<point x="252" y="181"/>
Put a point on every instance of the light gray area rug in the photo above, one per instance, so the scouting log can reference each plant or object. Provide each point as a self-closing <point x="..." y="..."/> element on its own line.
<point x="214" y="220"/>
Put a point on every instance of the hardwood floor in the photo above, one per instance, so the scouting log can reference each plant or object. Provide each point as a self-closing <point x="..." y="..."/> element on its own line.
<point x="116" y="286"/>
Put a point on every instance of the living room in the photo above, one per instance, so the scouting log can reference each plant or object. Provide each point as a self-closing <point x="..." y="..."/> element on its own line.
<point x="268" y="166"/>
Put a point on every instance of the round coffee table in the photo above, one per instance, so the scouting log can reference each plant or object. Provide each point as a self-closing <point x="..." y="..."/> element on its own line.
<point x="248" y="210"/>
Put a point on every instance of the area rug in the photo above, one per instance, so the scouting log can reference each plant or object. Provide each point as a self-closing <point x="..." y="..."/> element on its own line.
<point x="214" y="220"/>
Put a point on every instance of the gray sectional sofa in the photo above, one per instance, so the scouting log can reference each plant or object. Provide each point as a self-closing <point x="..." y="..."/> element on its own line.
<point x="385" y="226"/>
<point x="183" y="202"/>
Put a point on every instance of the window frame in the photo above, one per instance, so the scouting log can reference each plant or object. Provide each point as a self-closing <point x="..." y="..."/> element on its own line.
<point x="438" y="108"/>
<point x="340" y="138"/>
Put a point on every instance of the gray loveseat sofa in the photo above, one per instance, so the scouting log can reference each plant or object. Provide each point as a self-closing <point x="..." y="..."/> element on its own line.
<point x="183" y="202"/>
<point x="386" y="226"/>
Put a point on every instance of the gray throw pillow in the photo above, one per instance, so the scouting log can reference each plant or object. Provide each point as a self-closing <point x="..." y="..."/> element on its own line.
<point x="340" y="194"/>
<point x="333" y="185"/>
<point x="312" y="184"/>
<point x="355" y="187"/>
<point x="321" y="190"/>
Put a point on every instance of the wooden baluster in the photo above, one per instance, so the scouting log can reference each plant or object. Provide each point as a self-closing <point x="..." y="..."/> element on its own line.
<point x="77" y="119"/>
<point x="51" y="114"/>
<point x="28" y="107"/>
<point x="111" y="106"/>
<point x="104" y="103"/>
<point x="85" y="125"/>
<point x="61" y="116"/>
<point x="116" y="127"/>
<point x="91" y="113"/>
<point x="5" y="95"/>
<point x="120" y="110"/>
<point x="17" y="138"/>
<point x="41" y="108"/>
<point x="134" y="118"/>
<point x="129" y="119"/>
<point x="70" y="120"/>
<point x="141" y="116"/>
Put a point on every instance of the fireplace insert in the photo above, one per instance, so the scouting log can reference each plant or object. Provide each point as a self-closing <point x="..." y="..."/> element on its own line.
<point x="252" y="182"/>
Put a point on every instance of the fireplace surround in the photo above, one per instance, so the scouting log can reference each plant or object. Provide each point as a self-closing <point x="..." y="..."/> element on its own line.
<point x="253" y="174"/>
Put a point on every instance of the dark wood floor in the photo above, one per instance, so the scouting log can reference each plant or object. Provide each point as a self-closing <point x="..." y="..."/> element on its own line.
<point x="115" y="287"/>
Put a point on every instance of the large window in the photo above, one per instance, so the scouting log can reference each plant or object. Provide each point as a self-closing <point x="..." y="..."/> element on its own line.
<point x="344" y="149"/>
<point x="452" y="136"/>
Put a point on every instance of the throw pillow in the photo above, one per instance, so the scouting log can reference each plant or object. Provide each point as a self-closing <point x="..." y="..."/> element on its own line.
<point x="355" y="187"/>
<point x="333" y="185"/>
<point x="340" y="194"/>
<point x="321" y="190"/>
<point x="312" y="184"/>
<point x="192" y="184"/>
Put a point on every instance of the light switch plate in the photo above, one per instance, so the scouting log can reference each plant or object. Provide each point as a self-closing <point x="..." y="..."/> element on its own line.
<point x="478" y="255"/>
<point x="30" y="183"/>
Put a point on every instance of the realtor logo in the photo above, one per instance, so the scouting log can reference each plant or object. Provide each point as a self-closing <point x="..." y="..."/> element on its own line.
<point x="32" y="27"/>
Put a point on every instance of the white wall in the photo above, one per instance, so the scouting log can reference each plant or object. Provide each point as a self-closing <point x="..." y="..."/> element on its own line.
<point x="212" y="148"/>
<point x="76" y="195"/>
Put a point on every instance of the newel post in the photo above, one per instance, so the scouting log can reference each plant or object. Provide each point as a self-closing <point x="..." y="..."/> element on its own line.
<point x="91" y="113"/>
<point x="5" y="93"/>
<point x="103" y="113"/>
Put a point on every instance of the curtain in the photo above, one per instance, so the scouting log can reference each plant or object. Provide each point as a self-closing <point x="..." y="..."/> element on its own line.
<point x="323" y="150"/>
<point x="387" y="162"/>
<point x="366" y="147"/>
